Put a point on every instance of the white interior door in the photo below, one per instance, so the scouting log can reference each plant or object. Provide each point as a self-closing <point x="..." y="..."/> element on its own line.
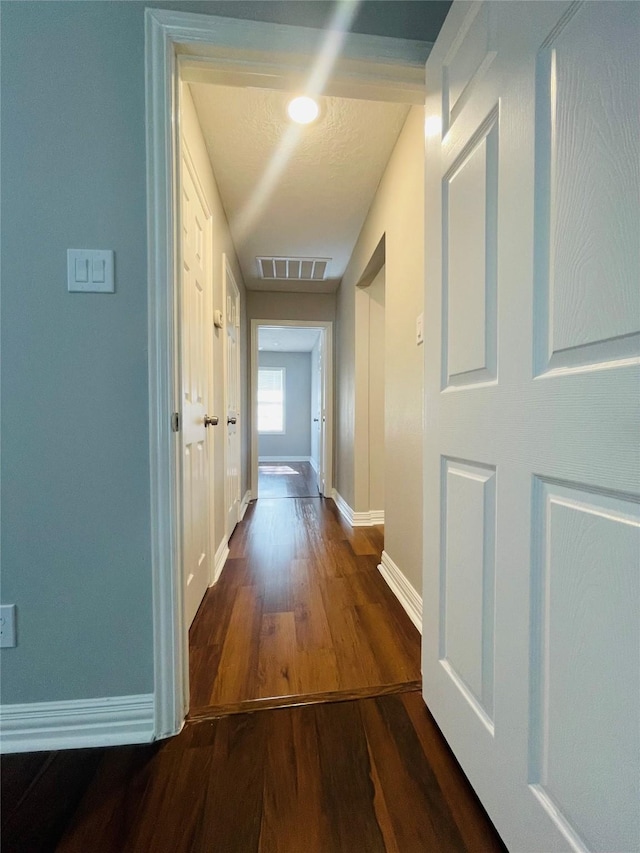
<point x="319" y="415"/>
<point x="531" y="646"/>
<point x="232" y="393"/>
<point x="196" y="365"/>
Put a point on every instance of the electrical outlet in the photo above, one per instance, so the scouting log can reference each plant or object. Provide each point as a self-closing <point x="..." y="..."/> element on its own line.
<point x="7" y="626"/>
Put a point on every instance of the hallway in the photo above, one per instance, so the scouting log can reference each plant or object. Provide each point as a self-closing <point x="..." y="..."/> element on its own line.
<point x="301" y="611"/>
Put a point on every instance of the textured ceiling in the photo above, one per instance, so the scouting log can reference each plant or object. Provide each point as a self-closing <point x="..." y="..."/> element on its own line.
<point x="319" y="202"/>
<point x="287" y="338"/>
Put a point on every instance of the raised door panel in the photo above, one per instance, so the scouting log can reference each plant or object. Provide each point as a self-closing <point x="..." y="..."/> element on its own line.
<point x="467" y="582"/>
<point x="469" y="199"/>
<point x="585" y="667"/>
<point x="588" y="190"/>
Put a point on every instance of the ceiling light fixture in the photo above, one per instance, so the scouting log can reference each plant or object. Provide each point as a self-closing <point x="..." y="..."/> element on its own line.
<point x="303" y="110"/>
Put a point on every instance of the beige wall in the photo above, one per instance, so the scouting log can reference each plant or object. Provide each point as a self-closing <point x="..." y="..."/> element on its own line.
<point x="222" y="243"/>
<point x="397" y="215"/>
<point x="265" y="305"/>
<point x="377" y="473"/>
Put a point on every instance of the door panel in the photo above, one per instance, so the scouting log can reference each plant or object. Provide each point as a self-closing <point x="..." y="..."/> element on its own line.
<point x="196" y="298"/>
<point x="531" y="645"/>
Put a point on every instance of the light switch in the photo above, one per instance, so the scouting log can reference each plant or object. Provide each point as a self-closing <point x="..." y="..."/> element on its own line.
<point x="420" y="329"/>
<point x="82" y="270"/>
<point x="97" y="275"/>
<point x="90" y="271"/>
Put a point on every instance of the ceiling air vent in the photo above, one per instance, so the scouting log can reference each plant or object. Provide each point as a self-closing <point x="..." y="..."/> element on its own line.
<point x="300" y="269"/>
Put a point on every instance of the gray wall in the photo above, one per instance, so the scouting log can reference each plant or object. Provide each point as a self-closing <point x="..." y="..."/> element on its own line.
<point x="296" y="440"/>
<point x="75" y="418"/>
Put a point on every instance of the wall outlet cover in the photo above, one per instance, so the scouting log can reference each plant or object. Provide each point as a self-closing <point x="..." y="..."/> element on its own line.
<point x="7" y="626"/>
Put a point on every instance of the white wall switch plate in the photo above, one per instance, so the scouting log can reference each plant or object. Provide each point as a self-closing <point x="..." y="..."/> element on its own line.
<point x="420" y="328"/>
<point x="7" y="626"/>
<point x="90" y="271"/>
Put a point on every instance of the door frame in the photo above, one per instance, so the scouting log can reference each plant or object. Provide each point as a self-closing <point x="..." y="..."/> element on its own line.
<point x="193" y="47"/>
<point x="228" y="278"/>
<point x="327" y="374"/>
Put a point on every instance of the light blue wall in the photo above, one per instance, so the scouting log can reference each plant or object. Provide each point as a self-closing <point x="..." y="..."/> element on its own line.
<point x="75" y="469"/>
<point x="296" y="440"/>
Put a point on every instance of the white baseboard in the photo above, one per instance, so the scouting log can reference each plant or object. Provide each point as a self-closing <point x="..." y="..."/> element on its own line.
<point x="219" y="560"/>
<point x="357" y="519"/>
<point x="284" y="459"/>
<point x="244" y="504"/>
<point x="223" y="548"/>
<point x="76" y="723"/>
<point x="314" y="464"/>
<point x="402" y="589"/>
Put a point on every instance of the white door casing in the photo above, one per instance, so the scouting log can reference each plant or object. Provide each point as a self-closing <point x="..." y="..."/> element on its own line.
<point x="391" y="69"/>
<point x="232" y="397"/>
<point x="196" y="301"/>
<point x="531" y="624"/>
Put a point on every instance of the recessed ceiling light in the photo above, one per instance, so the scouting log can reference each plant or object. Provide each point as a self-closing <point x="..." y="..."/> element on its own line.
<point x="303" y="110"/>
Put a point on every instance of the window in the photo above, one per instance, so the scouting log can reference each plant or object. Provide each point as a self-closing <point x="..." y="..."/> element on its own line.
<point x="271" y="399"/>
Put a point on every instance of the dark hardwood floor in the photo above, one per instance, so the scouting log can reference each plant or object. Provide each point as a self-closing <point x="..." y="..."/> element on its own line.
<point x="307" y="732"/>
<point x="300" y="610"/>
<point x="371" y="775"/>
<point x="286" y="480"/>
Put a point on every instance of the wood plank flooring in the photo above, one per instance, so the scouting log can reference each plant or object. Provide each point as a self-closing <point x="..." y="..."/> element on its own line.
<point x="371" y="775"/>
<point x="306" y="732"/>
<point x="286" y="480"/>
<point x="300" y="610"/>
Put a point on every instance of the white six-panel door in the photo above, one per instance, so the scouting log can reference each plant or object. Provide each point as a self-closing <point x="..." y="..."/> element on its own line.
<point x="196" y="365"/>
<point x="531" y="644"/>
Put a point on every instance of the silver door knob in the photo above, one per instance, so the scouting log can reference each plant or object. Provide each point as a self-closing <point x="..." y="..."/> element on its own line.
<point x="232" y="420"/>
<point x="210" y="420"/>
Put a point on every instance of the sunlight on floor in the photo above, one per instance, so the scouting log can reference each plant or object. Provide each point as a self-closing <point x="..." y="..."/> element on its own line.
<point x="277" y="469"/>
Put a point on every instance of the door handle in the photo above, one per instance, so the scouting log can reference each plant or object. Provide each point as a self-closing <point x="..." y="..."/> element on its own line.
<point x="315" y="420"/>
<point x="210" y="420"/>
<point x="233" y="420"/>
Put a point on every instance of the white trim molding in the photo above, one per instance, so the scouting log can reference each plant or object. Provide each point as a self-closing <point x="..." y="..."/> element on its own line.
<point x="357" y="519"/>
<point x="219" y="560"/>
<point x="112" y="721"/>
<point x="402" y="589"/>
<point x="246" y="500"/>
<point x="375" y="67"/>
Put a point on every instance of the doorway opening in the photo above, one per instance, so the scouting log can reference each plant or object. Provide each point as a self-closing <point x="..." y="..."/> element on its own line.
<point x="292" y="408"/>
<point x="198" y="48"/>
